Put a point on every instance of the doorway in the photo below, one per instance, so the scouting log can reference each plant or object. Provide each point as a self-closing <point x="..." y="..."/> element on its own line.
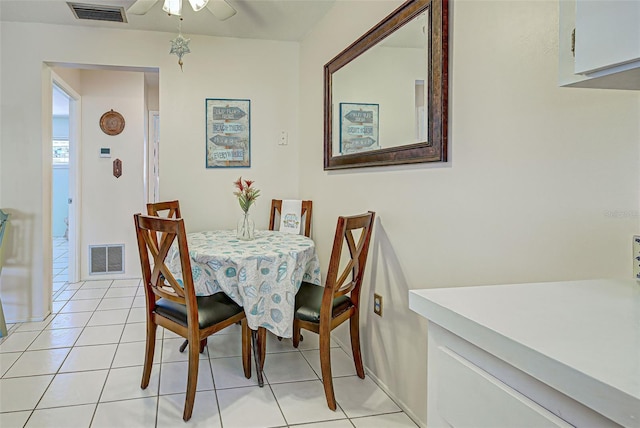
<point x="64" y="150"/>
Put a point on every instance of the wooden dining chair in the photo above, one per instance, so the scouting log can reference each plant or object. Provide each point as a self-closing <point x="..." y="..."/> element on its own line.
<point x="276" y="209"/>
<point x="173" y="304"/>
<point x="321" y="309"/>
<point x="166" y="209"/>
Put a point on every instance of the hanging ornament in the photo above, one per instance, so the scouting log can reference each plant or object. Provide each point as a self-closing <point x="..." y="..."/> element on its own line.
<point x="180" y="45"/>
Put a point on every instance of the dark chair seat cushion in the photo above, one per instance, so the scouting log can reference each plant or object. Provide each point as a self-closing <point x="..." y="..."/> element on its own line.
<point x="309" y="299"/>
<point x="211" y="309"/>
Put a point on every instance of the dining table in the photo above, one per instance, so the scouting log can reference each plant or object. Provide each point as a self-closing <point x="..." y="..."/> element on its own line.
<point x="262" y="275"/>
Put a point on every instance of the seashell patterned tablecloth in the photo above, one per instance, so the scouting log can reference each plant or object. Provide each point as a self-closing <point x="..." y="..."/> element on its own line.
<point x="262" y="275"/>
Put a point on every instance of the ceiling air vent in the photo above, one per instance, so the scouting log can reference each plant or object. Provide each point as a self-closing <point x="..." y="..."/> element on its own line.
<point x="97" y="12"/>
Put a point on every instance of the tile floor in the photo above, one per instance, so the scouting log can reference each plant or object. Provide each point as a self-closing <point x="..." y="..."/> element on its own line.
<point x="81" y="367"/>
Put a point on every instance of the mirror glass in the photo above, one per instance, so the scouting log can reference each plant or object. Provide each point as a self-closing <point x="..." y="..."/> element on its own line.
<point x="368" y="115"/>
<point x="386" y="94"/>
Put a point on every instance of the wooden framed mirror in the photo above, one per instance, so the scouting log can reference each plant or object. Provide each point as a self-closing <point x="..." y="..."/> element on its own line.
<point x="386" y="95"/>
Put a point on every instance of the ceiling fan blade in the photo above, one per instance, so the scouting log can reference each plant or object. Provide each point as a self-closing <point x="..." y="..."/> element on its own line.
<point x="220" y="9"/>
<point x="140" y="7"/>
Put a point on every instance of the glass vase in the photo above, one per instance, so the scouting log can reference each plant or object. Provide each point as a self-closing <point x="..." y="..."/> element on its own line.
<point x="246" y="227"/>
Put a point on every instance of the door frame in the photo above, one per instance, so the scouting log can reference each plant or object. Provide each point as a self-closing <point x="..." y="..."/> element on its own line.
<point x="75" y="168"/>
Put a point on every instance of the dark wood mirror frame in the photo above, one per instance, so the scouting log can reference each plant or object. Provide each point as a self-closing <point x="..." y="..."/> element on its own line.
<point x="435" y="148"/>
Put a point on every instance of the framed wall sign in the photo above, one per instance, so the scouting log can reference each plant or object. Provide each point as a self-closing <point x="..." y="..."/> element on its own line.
<point x="228" y="134"/>
<point x="358" y="127"/>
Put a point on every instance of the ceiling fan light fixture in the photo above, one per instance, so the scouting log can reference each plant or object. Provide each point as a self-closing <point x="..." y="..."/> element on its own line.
<point x="173" y="7"/>
<point x="197" y="5"/>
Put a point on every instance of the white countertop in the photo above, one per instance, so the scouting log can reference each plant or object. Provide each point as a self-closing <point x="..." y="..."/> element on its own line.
<point x="580" y="337"/>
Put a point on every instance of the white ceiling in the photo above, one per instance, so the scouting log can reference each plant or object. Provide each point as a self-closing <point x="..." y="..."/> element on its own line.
<point x="287" y="20"/>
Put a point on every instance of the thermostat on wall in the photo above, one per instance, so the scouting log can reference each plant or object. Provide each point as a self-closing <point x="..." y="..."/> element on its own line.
<point x="105" y="152"/>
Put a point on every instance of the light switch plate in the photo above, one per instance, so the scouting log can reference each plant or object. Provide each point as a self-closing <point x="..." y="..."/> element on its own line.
<point x="636" y="256"/>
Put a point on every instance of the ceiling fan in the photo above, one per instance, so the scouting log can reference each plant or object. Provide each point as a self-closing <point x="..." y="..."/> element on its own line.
<point x="219" y="8"/>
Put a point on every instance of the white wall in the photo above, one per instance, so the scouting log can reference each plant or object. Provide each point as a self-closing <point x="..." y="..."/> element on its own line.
<point x="265" y="72"/>
<point x="542" y="182"/>
<point x="108" y="203"/>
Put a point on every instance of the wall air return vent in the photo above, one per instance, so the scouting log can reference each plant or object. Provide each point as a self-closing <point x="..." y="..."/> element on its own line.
<point x="106" y="259"/>
<point x="97" y="12"/>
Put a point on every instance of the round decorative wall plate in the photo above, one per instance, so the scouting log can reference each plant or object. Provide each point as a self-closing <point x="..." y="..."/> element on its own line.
<point x="112" y="123"/>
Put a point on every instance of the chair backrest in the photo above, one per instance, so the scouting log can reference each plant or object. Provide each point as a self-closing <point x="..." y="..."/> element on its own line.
<point x="158" y="279"/>
<point x="276" y="210"/>
<point x="4" y="221"/>
<point x="167" y="209"/>
<point x="345" y="273"/>
<point x="157" y="208"/>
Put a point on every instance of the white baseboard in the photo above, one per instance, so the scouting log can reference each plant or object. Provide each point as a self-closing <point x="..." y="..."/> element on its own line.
<point x="383" y="386"/>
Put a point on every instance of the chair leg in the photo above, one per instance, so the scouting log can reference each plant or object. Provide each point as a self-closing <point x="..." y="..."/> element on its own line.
<point x="148" y="356"/>
<point x="325" y="365"/>
<point x="257" y="357"/>
<point x="3" y="323"/>
<point x="296" y="333"/>
<point x="355" y="344"/>
<point x="184" y="346"/>
<point x="246" y="349"/>
<point x="203" y="344"/>
<point x="192" y="381"/>
<point x="262" y="342"/>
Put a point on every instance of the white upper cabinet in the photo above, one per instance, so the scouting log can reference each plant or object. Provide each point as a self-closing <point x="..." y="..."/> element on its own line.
<point x="600" y="43"/>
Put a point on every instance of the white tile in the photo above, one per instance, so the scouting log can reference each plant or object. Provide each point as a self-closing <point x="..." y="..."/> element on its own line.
<point x="32" y="363"/>
<point x="249" y="407"/>
<point x="228" y="373"/>
<point x="120" y="292"/>
<point x="224" y="345"/>
<point x="140" y="413"/>
<point x="56" y="306"/>
<point x="91" y="293"/>
<point x="124" y="384"/>
<point x="132" y="354"/>
<point x="139" y="301"/>
<point x="275" y="345"/>
<point x="14" y="419"/>
<point x="400" y="420"/>
<point x="116" y="303"/>
<point x="70" y="320"/>
<point x="58" y="338"/>
<point x="171" y="351"/>
<point x="205" y="411"/>
<point x="173" y="377"/>
<point x="115" y="316"/>
<point x="100" y="283"/>
<point x="68" y="389"/>
<point x="135" y="282"/>
<point x="136" y="332"/>
<point x="75" y="285"/>
<point x="303" y="402"/>
<point x="310" y="340"/>
<point x="137" y="315"/>
<point x="68" y="417"/>
<point x="83" y="358"/>
<point x="100" y="335"/>
<point x="362" y="397"/>
<point x="80" y="306"/>
<point x="7" y="360"/>
<point x="35" y="326"/>
<point x="341" y="423"/>
<point x="341" y="363"/>
<point x="64" y="295"/>
<point x="22" y="393"/>
<point x="18" y="342"/>
<point x="287" y="367"/>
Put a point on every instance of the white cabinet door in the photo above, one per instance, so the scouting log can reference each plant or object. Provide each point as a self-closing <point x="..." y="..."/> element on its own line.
<point x="607" y="34"/>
